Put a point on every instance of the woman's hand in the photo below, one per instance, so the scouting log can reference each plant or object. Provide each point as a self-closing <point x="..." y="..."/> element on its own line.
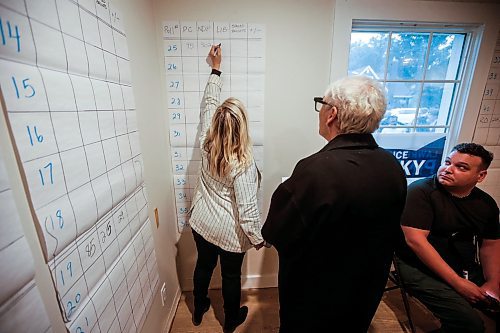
<point x="215" y="56"/>
<point x="259" y="246"/>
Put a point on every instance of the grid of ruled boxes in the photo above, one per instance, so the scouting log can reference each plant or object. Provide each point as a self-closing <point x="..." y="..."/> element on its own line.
<point x="106" y="278"/>
<point x="487" y="131"/>
<point x="65" y="78"/>
<point x="186" y="46"/>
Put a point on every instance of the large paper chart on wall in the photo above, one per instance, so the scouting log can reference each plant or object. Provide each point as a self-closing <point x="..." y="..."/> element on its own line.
<point x="19" y="296"/>
<point x="65" y="80"/>
<point x="487" y="130"/>
<point x="186" y="46"/>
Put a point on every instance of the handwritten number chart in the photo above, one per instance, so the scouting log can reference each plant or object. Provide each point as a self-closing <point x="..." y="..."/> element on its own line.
<point x="19" y="295"/>
<point x="65" y="80"/>
<point x="186" y="46"/>
<point x="487" y="131"/>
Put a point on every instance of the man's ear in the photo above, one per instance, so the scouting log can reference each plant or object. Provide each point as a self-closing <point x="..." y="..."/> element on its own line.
<point x="332" y="116"/>
<point x="482" y="175"/>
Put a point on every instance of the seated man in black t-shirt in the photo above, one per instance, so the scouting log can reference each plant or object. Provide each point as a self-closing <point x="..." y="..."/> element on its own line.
<point x="446" y="219"/>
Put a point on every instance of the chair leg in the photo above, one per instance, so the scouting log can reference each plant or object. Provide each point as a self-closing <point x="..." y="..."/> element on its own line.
<point x="404" y="296"/>
<point x="407" y="309"/>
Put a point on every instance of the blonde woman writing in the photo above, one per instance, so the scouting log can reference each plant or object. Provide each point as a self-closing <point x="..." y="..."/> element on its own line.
<point x="224" y="215"/>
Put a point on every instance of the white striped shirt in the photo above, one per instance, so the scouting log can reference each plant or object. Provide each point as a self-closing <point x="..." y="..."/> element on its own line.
<point x="224" y="209"/>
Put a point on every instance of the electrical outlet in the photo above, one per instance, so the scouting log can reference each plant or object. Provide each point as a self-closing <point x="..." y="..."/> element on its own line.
<point x="163" y="294"/>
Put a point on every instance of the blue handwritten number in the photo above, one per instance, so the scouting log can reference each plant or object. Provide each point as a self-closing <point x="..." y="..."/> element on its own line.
<point x="2" y="32"/>
<point x="72" y="307"/>
<point x="9" y="29"/>
<point x="26" y="85"/>
<point x="50" y="173"/>
<point x="68" y="268"/>
<point x="60" y="218"/>
<point x="79" y="328"/>
<point x="38" y="137"/>
<point x="62" y="277"/>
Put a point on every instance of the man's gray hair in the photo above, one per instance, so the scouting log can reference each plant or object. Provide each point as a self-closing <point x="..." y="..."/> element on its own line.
<point x="360" y="103"/>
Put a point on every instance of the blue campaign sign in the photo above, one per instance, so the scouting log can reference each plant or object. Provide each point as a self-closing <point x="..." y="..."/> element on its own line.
<point x="422" y="162"/>
<point x="418" y="157"/>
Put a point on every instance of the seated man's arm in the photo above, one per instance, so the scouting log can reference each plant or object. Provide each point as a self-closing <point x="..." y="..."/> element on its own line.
<point x="417" y="241"/>
<point x="490" y="261"/>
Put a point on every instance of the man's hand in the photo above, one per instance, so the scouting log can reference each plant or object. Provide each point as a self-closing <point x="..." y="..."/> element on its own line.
<point x="492" y="288"/>
<point x="469" y="290"/>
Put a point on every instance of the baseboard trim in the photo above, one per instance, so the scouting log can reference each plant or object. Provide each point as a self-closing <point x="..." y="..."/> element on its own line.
<point x="173" y="310"/>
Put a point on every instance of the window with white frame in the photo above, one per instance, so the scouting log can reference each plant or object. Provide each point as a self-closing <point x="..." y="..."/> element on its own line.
<point x="421" y="66"/>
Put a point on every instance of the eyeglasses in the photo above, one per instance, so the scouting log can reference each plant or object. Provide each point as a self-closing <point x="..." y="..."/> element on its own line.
<point x="318" y="103"/>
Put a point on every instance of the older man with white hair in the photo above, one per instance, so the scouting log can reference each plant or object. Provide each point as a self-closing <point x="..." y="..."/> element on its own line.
<point x="335" y="221"/>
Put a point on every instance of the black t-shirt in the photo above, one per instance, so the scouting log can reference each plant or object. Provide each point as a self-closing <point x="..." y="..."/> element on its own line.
<point x="452" y="221"/>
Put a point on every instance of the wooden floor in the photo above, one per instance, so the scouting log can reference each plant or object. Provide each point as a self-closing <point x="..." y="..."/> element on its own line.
<point x="263" y="314"/>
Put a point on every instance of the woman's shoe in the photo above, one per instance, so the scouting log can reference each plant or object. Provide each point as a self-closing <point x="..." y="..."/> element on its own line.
<point x="199" y="312"/>
<point x="230" y="324"/>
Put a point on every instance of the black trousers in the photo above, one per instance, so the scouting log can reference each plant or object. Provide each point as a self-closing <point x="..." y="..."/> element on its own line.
<point x="454" y="311"/>
<point x="230" y="262"/>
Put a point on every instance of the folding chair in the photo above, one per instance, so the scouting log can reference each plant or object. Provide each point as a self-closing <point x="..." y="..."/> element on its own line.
<point x="395" y="278"/>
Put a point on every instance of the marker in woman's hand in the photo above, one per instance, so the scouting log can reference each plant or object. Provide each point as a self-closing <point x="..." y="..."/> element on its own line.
<point x="217" y="48"/>
<point x="209" y="56"/>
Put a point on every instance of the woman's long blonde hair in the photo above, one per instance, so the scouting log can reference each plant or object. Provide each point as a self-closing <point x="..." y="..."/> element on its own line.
<point x="227" y="142"/>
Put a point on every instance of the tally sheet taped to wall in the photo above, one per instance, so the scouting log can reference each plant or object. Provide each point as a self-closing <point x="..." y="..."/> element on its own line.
<point x="66" y="85"/>
<point x="186" y="46"/>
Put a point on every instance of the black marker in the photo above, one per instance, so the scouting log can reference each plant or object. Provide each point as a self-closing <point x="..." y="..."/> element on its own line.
<point x="216" y="48"/>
